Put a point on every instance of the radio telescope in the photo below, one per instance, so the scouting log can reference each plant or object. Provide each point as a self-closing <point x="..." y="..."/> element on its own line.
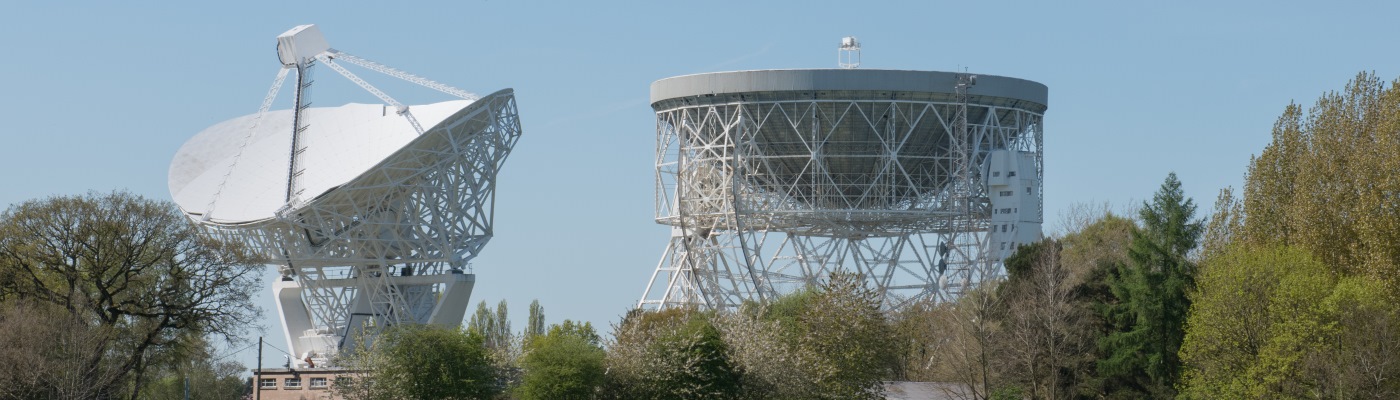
<point x="371" y="211"/>
<point x="924" y="182"/>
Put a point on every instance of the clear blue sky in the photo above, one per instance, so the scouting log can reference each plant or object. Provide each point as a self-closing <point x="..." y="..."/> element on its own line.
<point x="100" y="96"/>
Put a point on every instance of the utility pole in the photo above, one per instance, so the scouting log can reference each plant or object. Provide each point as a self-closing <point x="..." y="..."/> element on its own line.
<point x="257" y="375"/>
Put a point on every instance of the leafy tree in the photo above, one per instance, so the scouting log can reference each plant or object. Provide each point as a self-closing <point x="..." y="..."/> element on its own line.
<point x="1231" y="316"/>
<point x="670" y="354"/>
<point x="844" y="327"/>
<point x="493" y="327"/>
<point x="134" y="271"/>
<point x="1364" y="359"/>
<point x="1152" y="295"/>
<point x="500" y="342"/>
<point x="205" y="377"/>
<point x="830" y="341"/>
<point x="1226" y="224"/>
<point x="566" y="363"/>
<point x="1092" y="256"/>
<point x="1272" y="322"/>
<point x="761" y="348"/>
<point x="420" y="362"/>
<point x="1297" y="292"/>
<point x="1327" y="182"/>
<point x="535" y="325"/>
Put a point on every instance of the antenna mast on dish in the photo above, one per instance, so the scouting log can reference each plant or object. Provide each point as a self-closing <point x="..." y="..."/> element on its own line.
<point x="848" y="56"/>
<point x="299" y="49"/>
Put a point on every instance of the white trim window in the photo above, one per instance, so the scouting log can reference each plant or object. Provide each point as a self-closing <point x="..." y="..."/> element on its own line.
<point x="291" y="383"/>
<point x="319" y="383"/>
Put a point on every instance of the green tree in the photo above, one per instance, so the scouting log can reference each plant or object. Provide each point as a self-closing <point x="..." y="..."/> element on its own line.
<point x="535" y="323"/>
<point x="1302" y="270"/>
<point x="830" y="341"/>
<point x="1327" y="182"/>
<point x="494" y="327"/>
<point x="670" y="354"/>
<point x="1364" y="358"/>
<point x="420" y="362"/>
<point x="1092" y="256"/>
<point x="565" y="363"/>
<point x="502" y="344"/>
<point x="1226" y="224"/>
<point x="1273" y="322"/>
<point x="1150" y="316"/>
<point x="205" y="377"/>
<point x="132" y="270"/>
<point x="1231" y="318"/>
<point x="844" y="327"/>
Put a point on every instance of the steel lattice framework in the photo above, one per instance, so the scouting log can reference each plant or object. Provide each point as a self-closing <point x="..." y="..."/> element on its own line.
<point x="772" y="180"/>
<point x="423" y="213"/>
<point x="365" y="236"/>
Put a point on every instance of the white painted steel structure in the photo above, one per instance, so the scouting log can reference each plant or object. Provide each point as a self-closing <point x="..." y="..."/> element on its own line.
<point x="373" y="212"/>
<point x="848" y="55"/>
<point x="771" y="180"/>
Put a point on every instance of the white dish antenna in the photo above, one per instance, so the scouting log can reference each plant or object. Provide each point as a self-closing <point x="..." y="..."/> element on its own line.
<point x="373" y="211"/>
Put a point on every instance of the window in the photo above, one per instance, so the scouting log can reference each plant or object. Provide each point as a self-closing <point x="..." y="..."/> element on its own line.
<point x="1028" y="190"/>
<point x="267" y="383"/>
<point x="996" y="174"/>
<point x="1005" y="193"/>
<point x="1003" y="227"/>
<point x="318" y="383"/>
<point x="292" y="383"/>
<point x="1010" y="174"/>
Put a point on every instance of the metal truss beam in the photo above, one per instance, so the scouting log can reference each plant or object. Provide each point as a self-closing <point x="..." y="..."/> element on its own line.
<point x="765" y="197"/>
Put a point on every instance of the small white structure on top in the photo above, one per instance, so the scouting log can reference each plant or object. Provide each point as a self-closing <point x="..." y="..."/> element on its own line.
<point x="848" y="55"/>
<point x="371" y="217"/>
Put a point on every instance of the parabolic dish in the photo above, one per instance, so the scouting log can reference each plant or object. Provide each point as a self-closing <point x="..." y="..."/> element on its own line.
<point x="341" y="143"/>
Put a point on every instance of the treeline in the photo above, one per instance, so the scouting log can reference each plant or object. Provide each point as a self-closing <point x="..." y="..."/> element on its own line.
<point x="1289" y="291"/>
<point x="1095" y="313"/>
<point x="828" y="342"/>
<point x="1297" y="291"/>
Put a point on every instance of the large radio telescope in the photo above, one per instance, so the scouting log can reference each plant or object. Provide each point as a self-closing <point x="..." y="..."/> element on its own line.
<point x="924" y="182"/>
<point x="372" y="212"/>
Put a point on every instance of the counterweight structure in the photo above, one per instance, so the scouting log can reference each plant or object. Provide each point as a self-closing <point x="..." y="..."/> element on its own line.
<point x="371" y="218"/>
<point x="924" y="182"/>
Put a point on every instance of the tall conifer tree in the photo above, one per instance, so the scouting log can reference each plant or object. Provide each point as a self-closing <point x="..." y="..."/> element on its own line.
<point x="1152" y="297"/>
